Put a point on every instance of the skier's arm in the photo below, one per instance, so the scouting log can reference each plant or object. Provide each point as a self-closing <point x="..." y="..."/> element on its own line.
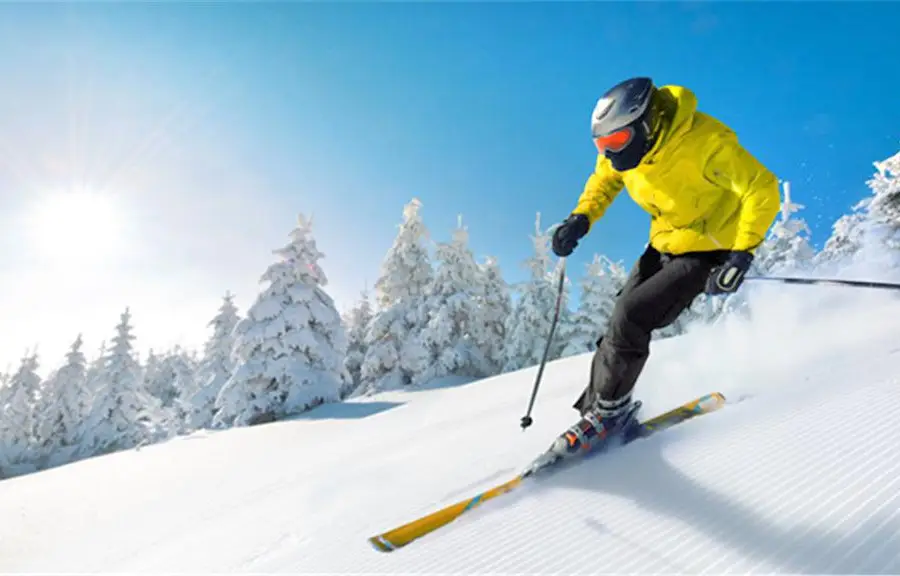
<point x="735" y="169"/>
<point x="601" y="188"/>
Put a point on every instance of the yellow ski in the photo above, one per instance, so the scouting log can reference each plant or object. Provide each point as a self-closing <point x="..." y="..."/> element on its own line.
<point x="403" y="535"/>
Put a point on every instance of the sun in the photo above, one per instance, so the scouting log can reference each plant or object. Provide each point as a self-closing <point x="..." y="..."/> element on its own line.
<point x="76" y="225"/>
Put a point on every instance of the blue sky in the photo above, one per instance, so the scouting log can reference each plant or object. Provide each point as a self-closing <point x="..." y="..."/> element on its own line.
<point x="200" y="130"/>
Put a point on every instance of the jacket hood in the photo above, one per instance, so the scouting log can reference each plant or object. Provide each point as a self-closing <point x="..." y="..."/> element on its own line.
<point x="678" y="105"/>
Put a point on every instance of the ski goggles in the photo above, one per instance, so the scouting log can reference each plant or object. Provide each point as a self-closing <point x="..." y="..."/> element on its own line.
<point x="616" y="141"/>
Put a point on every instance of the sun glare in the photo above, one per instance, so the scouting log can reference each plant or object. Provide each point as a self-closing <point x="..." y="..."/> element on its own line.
<point x="78" y="225"/>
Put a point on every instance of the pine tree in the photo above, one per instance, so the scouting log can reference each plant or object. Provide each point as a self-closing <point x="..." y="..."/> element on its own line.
<point x="65" y="407"/>
<point x="395" y="354"/>
<point x="787" y="246"/>
<point x="599" y="287"/>
<point x="19" y="399"/>
<point x="168" y="376"/>
<point x="123" y="415"/>
<point x="290" y="348"/>
<point x="156" y="379"/>
<point x="496" y="307"/>
<point x="883" y="214"/>
<point x="198" y="402"/>
<point x="870" y="233"/>
<point x="529" y="324"/>
<point x="94" y="375"/>
<point x="177" y="369"/>
<point x="455" y="325"/>
<point x="95" y="389"/>
<point x="844" y="243"/>
<point x="357" y="321"/>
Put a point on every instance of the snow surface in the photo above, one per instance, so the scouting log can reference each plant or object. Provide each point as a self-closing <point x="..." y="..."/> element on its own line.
<point x="803" y="477"/>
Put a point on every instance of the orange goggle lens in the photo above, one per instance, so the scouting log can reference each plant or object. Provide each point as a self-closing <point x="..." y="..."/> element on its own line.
<point x="614" y="142"/>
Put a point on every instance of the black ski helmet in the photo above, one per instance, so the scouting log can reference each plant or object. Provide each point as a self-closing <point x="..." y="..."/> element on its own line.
<point x="621" y="122"/>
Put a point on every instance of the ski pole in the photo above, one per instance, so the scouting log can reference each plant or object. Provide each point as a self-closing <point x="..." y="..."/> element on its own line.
<point x="829" y="281"/>
<point x="526" y="419"/>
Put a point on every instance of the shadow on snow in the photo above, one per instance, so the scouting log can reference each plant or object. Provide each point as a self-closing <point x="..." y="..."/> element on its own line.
<point x="346" y="410"/>
<point x="443" y="382"/>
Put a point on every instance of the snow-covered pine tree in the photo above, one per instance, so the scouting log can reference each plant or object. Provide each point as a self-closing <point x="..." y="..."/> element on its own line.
<point x="529" y="324"/>
<point x="870" y="233"/>
<point x="123" y="414"/>
<point x="19" y="399"/>
<point x="844" y="243"/>
<point x="395" y="354"/>
<point x="496" y="307"/>
<point x="65" y="407"/>
<point x="357" y="320"/>
<point x="454" y="325"/>
<point x="176" y="370"/>
<point x="95" y="386"/>
<point x="154" y="378"/>
<point x="217" y="366"/>
<point x="94" y="374"/>
<point x="599" y="286"/>
<point x="166" y="375"/>
<point x="786" y="247"/>
<point x="290" y="348"/>
<point x="883" y="213"/>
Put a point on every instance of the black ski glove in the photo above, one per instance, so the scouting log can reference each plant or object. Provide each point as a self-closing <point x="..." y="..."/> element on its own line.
<point x="728" y="277"/>
<point x="567" y="234"/>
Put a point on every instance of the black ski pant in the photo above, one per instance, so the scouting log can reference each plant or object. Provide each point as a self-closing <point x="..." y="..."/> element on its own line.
<point x="658" y="289"/>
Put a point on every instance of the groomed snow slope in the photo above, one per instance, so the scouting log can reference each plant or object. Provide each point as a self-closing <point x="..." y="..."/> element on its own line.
<point x="804" y="477"/>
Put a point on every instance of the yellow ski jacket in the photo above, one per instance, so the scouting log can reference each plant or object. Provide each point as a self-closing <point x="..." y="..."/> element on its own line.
<point x="702" y="189"/>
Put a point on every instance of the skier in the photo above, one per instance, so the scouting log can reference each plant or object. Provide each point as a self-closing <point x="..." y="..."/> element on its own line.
<point x="710" y="202"/>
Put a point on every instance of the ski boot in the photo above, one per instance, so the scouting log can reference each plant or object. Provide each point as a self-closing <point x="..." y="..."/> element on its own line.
<point x="599" y="423"/>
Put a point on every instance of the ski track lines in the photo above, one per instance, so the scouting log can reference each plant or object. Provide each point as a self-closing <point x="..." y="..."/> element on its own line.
<point x="812" y="489"/>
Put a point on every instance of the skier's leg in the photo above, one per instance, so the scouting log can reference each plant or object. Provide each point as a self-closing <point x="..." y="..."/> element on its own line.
<point x="654" y="303"/>
<point x="646" y="266"/>
<point x="652" y="298"/>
